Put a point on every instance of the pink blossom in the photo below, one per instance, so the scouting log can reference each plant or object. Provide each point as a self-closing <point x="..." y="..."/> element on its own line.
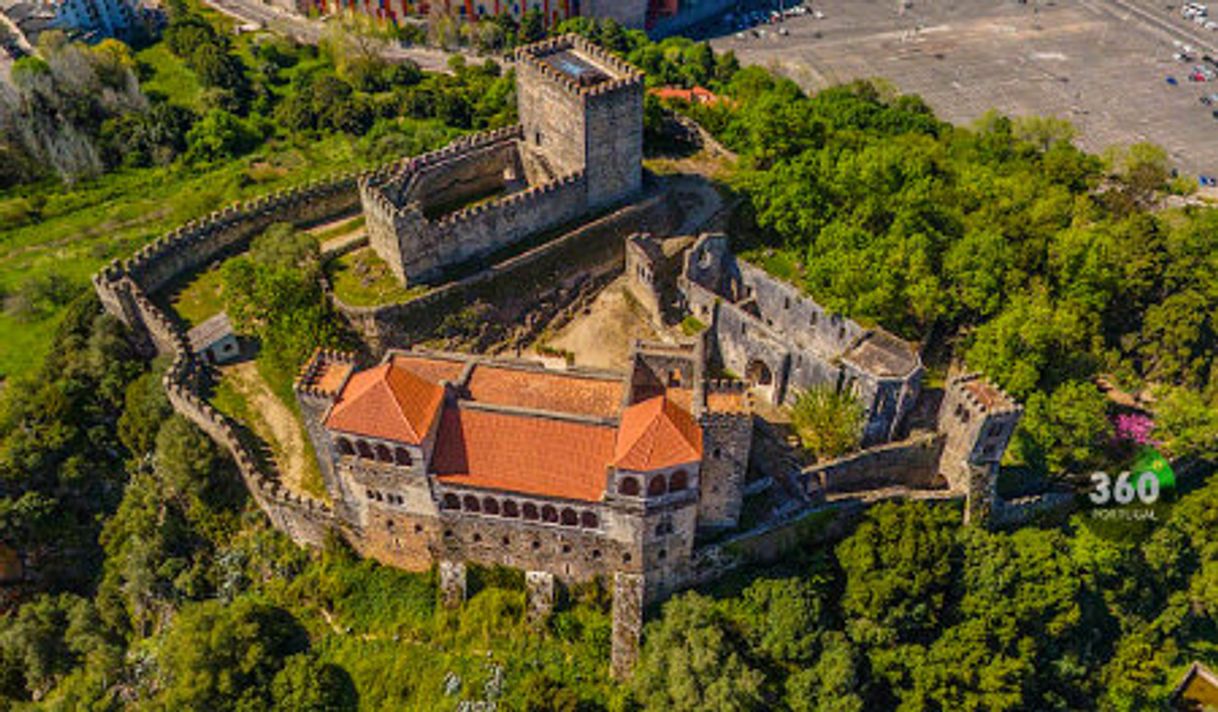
<point x="1134" y="427"/>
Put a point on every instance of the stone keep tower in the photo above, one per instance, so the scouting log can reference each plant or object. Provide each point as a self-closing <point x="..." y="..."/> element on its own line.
<point x="977" y="420"/>
<point x="581" y="108"/>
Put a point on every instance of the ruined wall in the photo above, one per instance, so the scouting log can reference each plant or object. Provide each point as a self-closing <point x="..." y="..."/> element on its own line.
<point x="912" y="463"/>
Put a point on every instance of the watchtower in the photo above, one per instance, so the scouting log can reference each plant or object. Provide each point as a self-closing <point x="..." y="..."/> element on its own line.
<point x="581" y="109"/>
<point x="977" y="420"/>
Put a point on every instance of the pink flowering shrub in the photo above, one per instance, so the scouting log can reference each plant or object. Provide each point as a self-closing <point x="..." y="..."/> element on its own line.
<point x="1134" y="428"/>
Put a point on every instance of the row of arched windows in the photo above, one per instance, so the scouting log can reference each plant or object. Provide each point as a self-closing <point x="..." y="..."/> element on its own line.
<point x="377" y="452"/>
<point x="528" y="511"/>
<point x="657" y="486"/>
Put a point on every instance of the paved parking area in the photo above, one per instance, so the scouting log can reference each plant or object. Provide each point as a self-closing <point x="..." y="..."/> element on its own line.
<point x="1102" y="64"/>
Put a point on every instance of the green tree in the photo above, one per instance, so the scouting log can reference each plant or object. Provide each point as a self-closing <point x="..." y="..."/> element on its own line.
<point x="898" y="572"/>
<point x="219" y="135"/>
<point x="226" y="656"/>
<point x="692" y="661"/>
<point x="307" y="685"/>
<point x="829" y="422"/>
<point x="832" y="684"/>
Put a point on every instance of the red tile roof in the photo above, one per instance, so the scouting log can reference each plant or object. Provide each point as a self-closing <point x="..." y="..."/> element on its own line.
<point x="657" y="433"/>
<point x="430" y="368"/>
<point x="543" y="390"/>
<point x="387" y="402"/>
<point x="522" y="453"/>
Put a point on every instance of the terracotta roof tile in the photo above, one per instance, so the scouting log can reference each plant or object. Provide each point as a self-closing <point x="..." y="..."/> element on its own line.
<point x="387" y="402"/>
<point x="545" y="390"/>
<point x="430" y="368"/>
<point x="521" y="453"/>
<point x="655" y="434"/>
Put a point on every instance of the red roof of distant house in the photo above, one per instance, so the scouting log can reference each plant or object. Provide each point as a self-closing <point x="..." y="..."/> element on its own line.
<point x="697" y="95"/>
<point x="522" y="453"/>
<point x="655" y="434"/>
<point x="387" y="402"/>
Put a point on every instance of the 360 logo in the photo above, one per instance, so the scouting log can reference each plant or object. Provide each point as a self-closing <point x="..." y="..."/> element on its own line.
<point x="1134" y="499"/>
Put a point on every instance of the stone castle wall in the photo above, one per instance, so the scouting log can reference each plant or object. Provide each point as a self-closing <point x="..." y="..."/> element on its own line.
<point x="913" y="463"/>
<point x="588" y="251"/>
<point x="124" y="288"/>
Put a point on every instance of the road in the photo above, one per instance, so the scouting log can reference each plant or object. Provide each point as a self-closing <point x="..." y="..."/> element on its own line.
<point x="1101" y="64"/>
<point x="308" y="31"/>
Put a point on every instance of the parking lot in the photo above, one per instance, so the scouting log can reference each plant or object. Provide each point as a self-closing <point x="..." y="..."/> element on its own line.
<point x="1102" y="64"/>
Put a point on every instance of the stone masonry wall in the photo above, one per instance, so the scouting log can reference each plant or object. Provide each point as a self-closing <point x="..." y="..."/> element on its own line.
<point x="124" y="286"/>
<point x="591" y="249"/>
<point x="912" y="463"/>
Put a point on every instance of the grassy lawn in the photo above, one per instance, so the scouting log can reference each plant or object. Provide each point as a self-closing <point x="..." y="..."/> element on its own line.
<point x="200" y="299"/>
<point x="171" y="78"/>
<point x="82" y="227"/>
<point x="361" y="279"/>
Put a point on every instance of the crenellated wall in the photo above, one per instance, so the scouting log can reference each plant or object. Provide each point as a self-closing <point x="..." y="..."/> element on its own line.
<point x="593" y="250"/>
<point x="125" y="286"/>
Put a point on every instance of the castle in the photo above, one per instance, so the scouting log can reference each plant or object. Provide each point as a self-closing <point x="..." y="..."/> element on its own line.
<point x="639" y="477"/>
<point x="577" y="149"/>
<point x="442" y="457"/>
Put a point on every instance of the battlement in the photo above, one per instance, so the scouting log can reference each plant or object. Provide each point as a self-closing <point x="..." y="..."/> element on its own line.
<point x="578" y="66"/>
<point x="325" y="373"/>
<point x="983" y="396"/>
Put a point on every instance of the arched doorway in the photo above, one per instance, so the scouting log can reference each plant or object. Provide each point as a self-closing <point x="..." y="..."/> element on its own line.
<point x="759" y="374"/>
<point x="760" y="377"/>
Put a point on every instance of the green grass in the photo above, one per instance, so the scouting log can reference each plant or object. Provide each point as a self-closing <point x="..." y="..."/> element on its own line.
<point x="201" y="298"/>
<point x="171" y="78"/>
<point x="344" y="228"/>
<point x="361" y="279"/>
<point x="692" y="326"/>
<point x="82" y="227"/>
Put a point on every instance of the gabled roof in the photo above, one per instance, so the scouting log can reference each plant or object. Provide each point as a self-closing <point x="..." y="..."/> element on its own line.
<point x="522" y="453"/>
<point x="387" y="402"/>
<point x="655" y="434"/>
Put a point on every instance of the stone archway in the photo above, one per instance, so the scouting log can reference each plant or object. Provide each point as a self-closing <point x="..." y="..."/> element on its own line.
<point x="760" y="377"/>
<point x="759" y="374"/>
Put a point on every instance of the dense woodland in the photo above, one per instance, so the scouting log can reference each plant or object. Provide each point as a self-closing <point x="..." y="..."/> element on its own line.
<point x="157" y="584"/>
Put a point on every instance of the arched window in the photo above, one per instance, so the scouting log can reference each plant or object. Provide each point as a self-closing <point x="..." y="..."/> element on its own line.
<point x="549" y="514"/>
<point x="490" y="505"/>
<point x="588" y="520"/>
<point x="344" y="447"/>
<point x="451" y="501"/>
<point x="471" y="503"/>
<point x="657" y="486"/>
<point x="678" y="481"/>
<point x="628" y="486"/>
<point x="529" y="510"/>
<point x="402" y="456"/>
<point x="382" y="453"/>
<point x="569" y="517"/>
<point x="365" y="450"/>
<point x="510" y="509"/>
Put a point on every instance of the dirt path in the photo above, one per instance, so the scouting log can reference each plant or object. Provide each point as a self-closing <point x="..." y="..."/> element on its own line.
<point x="602" y="337"/>
<point x="273" y="422"/>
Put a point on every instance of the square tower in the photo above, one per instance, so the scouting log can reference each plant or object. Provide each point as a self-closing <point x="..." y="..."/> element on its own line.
<point x="977" y="420"/>
<point x="581" y="109"/>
